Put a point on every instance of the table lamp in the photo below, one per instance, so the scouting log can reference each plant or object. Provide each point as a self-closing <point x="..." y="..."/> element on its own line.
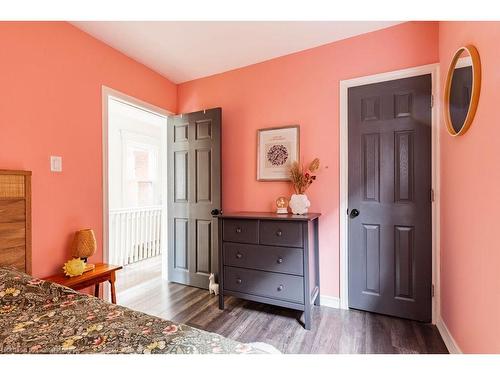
<point x="84" y="246"/>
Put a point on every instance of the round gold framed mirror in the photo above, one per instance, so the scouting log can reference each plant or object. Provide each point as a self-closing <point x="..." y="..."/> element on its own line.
<point x="463" y="85"/>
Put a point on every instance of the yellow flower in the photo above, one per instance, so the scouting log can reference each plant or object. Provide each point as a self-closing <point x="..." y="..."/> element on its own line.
<point x="154" y="345"/>
<point x="94" y="327"/>
<point x="19" y="327"/>
<point x="68" y="344"/>
<point x="12" y="291"/>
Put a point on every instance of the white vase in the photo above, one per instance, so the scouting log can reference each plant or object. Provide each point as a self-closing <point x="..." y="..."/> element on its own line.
<point x="299" y="204"/>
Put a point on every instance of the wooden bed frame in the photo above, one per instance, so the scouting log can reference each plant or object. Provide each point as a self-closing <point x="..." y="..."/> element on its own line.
<point x="15" y="219"/>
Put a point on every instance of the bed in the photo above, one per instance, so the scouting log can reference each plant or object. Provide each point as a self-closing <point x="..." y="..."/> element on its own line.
<point x="38" y="316"/>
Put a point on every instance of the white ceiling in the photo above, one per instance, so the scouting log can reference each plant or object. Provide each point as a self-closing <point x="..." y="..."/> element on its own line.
<point x="182" y="51"/>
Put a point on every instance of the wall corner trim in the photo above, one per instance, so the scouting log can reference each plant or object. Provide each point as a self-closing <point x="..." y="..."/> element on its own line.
<point x="448" y="339"/>
<point x="329" y="301"/>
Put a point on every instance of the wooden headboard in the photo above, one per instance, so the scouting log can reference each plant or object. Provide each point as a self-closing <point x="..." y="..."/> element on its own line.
<point x="15" y="219"/>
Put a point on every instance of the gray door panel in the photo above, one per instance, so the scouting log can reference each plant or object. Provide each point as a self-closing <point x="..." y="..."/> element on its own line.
<point x="194" y="190"/>
<point x="390" y="241"/>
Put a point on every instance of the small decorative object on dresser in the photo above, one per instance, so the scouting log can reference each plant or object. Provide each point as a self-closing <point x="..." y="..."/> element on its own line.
<point x="282" y="205"/>
<point x="299" y="204"/>
<point x="301" y="180"/>
<point x="84" y="246"/>
<point x="213" y="287"/>
<point x="270" y="258"/>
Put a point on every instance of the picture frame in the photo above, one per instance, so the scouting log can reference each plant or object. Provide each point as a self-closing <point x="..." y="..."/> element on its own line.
<point x="277" y="149"/>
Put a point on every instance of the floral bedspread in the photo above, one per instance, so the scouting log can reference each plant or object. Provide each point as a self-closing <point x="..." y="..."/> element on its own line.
<point x="38" y="316"/>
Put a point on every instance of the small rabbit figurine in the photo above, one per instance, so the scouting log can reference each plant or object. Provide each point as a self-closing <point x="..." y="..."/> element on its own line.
<point x="212" y="286"/>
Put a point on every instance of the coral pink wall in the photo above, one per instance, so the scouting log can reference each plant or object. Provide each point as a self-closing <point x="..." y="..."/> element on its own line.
<point x="302" y="88"/>
<point x="51" y="76"/>
<point x="50" y="80"/>
<point x="470" y="201"/>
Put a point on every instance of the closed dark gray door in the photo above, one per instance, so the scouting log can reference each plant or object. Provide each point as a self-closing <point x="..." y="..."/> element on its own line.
<point x="390" y="235"/>
<point x="194" y="191"/>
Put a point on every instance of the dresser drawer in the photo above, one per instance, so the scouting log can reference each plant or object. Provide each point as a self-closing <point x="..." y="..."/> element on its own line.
<point x="281" y="233"/>
<point x="246" y="231"/>
<point x="266" y="258"/>
<point x="265" y="284"/>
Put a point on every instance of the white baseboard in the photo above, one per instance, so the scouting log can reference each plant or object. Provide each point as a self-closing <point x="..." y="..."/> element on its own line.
<point x="448" y="339"/>
<point x="330" y="301"/>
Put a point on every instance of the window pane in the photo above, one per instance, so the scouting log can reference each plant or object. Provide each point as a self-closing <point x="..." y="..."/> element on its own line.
<point x="131" y="194"/>
<point x="142" y="168"/>
<point x="141" y="174"/>
<point x="145" y="193"/>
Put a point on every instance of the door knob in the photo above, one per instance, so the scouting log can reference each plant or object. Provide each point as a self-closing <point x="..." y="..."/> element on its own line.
<point x="279" y="233"/>
<point x="238" y="230"/>
<point x="238" y="281"/>
<point x="280" y="288"/>
<point x="216" y="212"/>
<point x="280" y="260"/>
<point x="354" y="213"/>
<point x="239" y="255"/>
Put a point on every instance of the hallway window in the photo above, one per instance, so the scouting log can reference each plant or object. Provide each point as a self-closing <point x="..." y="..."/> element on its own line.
<point x="141" y="173"/>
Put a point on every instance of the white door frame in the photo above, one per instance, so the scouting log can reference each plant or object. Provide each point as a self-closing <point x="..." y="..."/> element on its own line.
<point x="108" y="93"/>
<point x="432" y="69"/>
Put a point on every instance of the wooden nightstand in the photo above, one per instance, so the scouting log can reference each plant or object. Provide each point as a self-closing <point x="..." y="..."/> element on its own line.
<point x="101" y="273"/>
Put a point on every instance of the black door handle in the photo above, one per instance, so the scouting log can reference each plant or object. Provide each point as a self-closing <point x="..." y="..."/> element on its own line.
<point x="354" y="213"/>
<point x="216" y="212"/>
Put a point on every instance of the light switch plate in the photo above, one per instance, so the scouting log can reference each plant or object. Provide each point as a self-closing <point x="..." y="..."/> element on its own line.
<point x="56" y="163"/>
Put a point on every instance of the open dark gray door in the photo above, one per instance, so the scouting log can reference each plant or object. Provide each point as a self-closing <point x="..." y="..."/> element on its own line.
<point x="194" y="192"/>
<point x="390" y="223"/>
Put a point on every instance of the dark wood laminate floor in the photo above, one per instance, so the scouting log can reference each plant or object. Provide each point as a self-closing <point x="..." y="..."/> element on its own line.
<point x="334" y="330"/>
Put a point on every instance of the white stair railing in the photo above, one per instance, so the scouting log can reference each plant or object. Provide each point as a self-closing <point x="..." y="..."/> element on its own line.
<point x="134" y="234"/>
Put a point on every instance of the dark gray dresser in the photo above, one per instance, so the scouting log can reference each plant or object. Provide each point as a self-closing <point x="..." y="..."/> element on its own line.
<point x="270" y="258"/>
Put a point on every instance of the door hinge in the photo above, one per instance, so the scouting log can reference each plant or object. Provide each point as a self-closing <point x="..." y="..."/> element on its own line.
<point x="432" y="195"/>
<point x="432" y="101"/>
<point x="432" y="290"/>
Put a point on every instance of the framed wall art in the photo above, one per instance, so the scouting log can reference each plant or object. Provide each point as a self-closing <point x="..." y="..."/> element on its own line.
<point x="277" y="149"/>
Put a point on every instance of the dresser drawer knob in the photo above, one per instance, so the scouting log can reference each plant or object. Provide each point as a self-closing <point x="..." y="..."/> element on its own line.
<point x="280" y="260"/>
<point x="279" y="233"/>
<point x="238" y="281"/>
<point x="239" y="255"/>
<point x="238" y="230"/>
<point x="280" y="288"/>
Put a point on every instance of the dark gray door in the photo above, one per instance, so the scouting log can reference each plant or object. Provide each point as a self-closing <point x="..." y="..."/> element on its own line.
<point x="194" y="191"/>
<point x="390" y="235"/>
